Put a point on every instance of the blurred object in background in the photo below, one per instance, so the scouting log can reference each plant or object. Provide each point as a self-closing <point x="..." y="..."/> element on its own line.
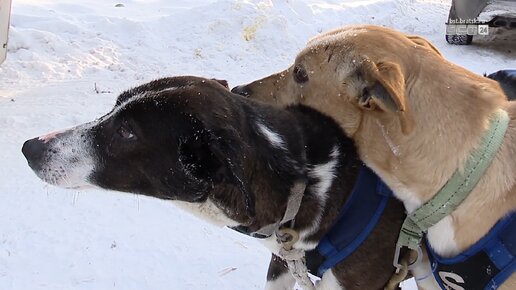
<point x="468" y="18"/>
<point x="5" y="12"/>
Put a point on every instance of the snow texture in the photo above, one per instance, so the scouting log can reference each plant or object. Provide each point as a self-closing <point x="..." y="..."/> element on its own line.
<point x="67" y="61"/>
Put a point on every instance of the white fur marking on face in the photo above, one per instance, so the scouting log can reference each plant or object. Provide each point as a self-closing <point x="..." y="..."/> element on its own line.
<point x="168" y="89"/>
<point x="284" y="282"/>
<point x="73" y="161"/>
<point x="328" y="282"/>
<point x="325" y="173"/>
<point x="206" y="211"/>
<point x="69" y="161"/>
<point x="273" y="137"/>
<point x="442" y="238"/>
<point x="146" y="94"/>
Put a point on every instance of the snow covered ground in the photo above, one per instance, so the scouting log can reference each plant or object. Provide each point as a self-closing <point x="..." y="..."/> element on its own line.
<point x="68" y="60"/>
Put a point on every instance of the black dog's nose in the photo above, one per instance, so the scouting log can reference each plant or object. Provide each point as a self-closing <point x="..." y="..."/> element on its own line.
<point x="34" y="150"/>
<point x="242" y="90"/>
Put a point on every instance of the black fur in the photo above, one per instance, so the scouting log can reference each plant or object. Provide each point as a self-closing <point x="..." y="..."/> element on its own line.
<point x="507" y="80"/>
<point x="190" y="139"/>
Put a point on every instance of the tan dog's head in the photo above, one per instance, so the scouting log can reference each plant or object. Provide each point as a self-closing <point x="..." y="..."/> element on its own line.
<point x="361" y="68"/>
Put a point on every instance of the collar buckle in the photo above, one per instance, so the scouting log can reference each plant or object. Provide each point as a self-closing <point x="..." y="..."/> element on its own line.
<point x="400" y="264"/>
<point x="287" y="237"/>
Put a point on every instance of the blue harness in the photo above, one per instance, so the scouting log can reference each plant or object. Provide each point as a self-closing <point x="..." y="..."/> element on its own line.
<point x="356" y="220"/>
<point x="490" y="261"/>
<point x="485" y="265"/>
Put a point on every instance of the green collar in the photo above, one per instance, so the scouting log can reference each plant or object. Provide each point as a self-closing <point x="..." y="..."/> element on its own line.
<point x="455" y="191"/>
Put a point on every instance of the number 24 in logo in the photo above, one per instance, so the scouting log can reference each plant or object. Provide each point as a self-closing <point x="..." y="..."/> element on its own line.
<point x="483" y="29"/>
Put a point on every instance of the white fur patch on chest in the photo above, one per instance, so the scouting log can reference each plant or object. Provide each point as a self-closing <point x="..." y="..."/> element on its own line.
<point x="271" y="244"/>
<point x="283" y="282"/>
<point x="410" y="201"/>
<point x="325" y="173"/>
<point x="328" y="282"/>
<point x="442" y="237"/>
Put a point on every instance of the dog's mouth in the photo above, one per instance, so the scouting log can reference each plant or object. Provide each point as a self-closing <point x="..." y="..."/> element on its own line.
<point x="64" y="181"/>
<point x="81" y="187"/>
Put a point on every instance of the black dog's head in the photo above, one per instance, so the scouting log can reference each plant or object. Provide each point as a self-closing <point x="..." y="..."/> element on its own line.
<point x="173" y="138"/>
<point x="507" y="81"/>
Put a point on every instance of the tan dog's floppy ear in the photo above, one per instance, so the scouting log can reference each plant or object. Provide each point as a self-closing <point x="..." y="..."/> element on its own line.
<point x="387" y="91"/>
<point x="423" y="42"/>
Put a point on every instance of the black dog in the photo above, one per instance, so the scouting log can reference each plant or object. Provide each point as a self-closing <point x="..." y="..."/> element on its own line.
<point x="507" y="80"/>
<point x="234" y="161"/>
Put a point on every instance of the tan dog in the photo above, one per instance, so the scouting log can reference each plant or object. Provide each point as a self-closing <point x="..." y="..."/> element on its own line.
<point x="415" y="118"/>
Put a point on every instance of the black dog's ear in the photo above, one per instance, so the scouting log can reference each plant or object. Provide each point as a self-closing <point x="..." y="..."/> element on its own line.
<point x="199" y="160"/>
<point x="222" y="82"/>
<point x="229" y="151"/>
<point x="215" y="156"/>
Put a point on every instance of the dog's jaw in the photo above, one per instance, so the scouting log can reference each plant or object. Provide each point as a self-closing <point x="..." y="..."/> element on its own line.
<point x="207" y="211"/>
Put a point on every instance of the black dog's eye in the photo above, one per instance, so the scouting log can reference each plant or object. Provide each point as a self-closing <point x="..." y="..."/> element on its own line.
<point x="300" y="75"/>
<point x="126" y="133"/>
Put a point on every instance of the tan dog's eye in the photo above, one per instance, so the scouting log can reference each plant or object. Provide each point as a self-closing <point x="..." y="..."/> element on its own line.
<point x="300" y="75"/>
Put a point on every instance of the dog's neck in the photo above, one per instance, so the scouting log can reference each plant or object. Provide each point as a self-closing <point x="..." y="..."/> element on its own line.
<point x="331" y="177"/>
<point x="328" y="155"/>
<point x="417" y="165"/>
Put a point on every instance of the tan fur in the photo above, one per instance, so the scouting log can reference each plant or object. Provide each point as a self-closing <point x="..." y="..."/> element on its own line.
<point x="423" y="42"/>
<point x="442" y="112"/>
